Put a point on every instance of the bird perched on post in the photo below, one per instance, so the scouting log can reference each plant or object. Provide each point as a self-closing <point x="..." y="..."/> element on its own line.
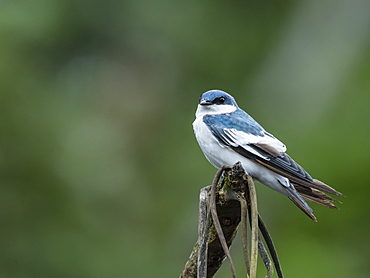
<point x="226" y="134"/>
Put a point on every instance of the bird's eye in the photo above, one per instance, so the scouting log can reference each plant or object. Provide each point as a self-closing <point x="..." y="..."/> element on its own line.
<point x="219" y="100"/>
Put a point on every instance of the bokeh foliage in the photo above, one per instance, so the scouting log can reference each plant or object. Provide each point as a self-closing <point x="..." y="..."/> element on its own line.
<point x="100" y="171"/>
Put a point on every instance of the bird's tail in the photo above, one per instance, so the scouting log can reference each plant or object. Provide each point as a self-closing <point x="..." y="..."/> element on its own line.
<point x="297" y="199"/>
<point x="316" y="196"/>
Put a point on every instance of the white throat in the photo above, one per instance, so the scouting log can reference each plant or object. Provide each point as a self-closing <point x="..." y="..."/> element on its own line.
<point x="214" y="109"/>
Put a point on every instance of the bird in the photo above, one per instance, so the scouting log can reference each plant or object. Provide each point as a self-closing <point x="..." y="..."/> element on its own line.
<point x="227" y="134"/>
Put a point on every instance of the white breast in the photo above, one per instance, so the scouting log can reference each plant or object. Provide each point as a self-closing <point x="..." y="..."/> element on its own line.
<point x="216" y="153"/>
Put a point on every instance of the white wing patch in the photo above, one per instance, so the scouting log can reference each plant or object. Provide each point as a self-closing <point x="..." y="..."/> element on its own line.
<point x="239" y="138"/>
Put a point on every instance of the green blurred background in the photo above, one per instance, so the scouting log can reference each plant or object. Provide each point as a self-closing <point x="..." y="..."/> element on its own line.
<point x="100" y="170"/>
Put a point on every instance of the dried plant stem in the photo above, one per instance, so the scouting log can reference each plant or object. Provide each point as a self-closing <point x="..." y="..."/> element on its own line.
<point x="265" y="258"/>
<point x="270" y="244"/>
<point x="216" y="221"/>
<point x="244" y="209"/>
<point x="203" y="230"/>
<point x="254" y="227"/>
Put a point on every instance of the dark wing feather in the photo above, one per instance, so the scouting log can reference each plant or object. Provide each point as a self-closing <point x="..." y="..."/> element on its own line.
<point x="284" y="165"/>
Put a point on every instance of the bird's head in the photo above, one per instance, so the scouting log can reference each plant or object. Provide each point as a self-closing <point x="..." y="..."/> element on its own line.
<point x="216" y="102"/>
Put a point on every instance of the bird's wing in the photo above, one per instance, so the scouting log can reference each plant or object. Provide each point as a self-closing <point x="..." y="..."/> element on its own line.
<point x="246" y="137"/>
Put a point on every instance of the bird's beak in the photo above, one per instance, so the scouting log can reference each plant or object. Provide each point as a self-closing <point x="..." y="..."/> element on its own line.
<point x="205" y="102"/>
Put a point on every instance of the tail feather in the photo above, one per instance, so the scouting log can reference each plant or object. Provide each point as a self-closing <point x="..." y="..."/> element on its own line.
<point x="319" y="185"/>
<point x="297" y="199"/>
<point x="316" y="196"/>
<point x="309" y="213"/>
